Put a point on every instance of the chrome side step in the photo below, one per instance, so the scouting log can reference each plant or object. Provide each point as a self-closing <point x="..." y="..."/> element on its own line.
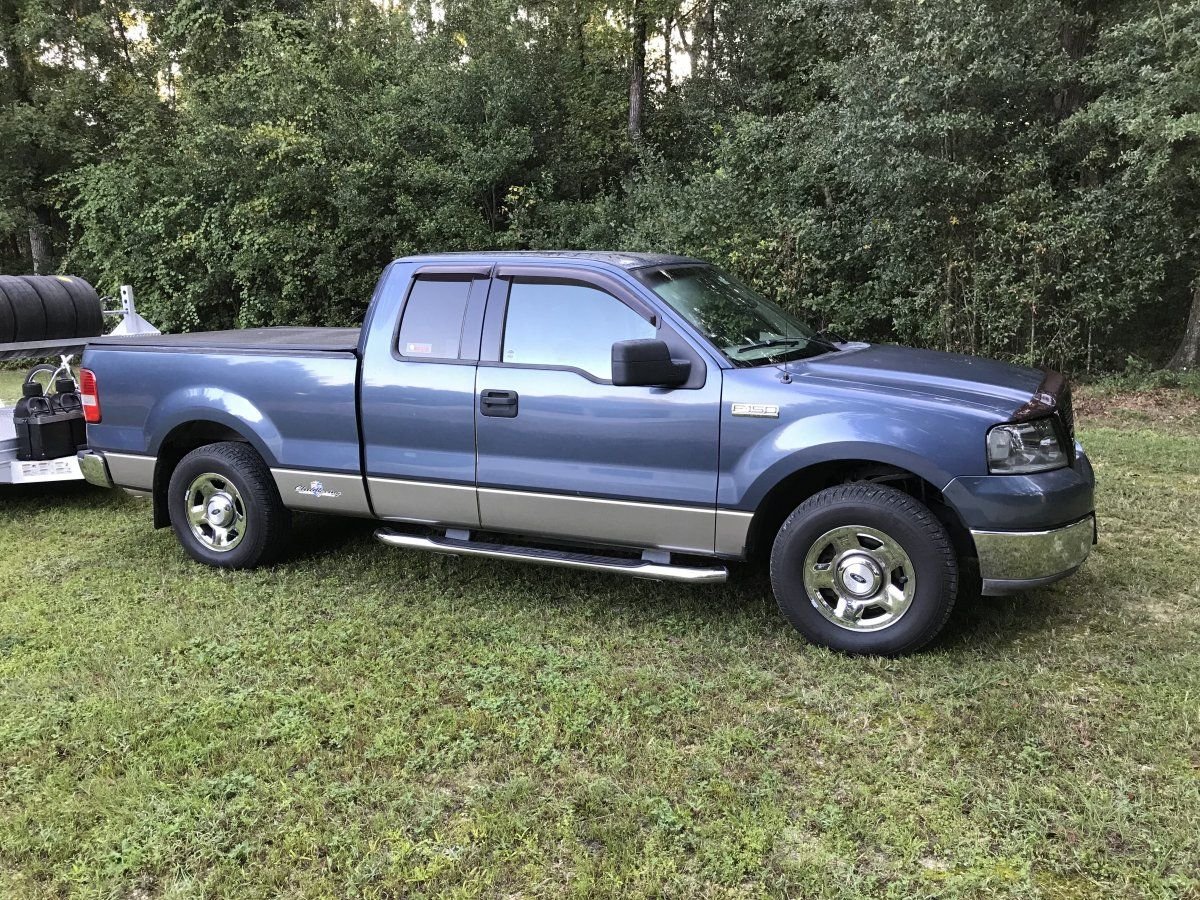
<point x="638" y="568"/>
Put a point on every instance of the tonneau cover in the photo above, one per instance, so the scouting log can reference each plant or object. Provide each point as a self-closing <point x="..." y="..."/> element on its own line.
<point x="312" y="340"/>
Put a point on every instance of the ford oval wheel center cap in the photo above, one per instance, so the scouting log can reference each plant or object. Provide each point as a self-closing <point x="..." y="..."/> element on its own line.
<point x="219" y="511"/>
<point x="859" y="575"/>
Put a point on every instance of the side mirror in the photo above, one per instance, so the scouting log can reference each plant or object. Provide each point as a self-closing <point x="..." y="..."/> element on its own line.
<point x="647" y="363"/>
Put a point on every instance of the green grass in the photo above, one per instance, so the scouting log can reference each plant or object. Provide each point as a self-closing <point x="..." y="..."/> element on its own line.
<point x="366" y="722"/>
<point x="10" y="385"/>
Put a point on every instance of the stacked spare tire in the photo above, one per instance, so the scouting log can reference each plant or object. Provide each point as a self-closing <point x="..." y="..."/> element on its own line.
<point x="48" y="308"/>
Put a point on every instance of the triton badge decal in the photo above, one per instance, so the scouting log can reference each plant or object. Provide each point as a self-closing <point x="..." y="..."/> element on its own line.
<point x="756" y="410"/>
<point x="316" y="489"/>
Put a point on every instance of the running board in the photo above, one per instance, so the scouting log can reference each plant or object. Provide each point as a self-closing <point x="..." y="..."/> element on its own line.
<point x="638" y="568"/>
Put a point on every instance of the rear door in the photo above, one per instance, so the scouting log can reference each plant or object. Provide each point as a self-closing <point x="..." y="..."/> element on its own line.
<point x="565" y="453"/>
<point x="418" y="394"/>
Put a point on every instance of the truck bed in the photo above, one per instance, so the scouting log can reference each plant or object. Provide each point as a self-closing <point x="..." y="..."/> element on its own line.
<point x="289" y="391"/>
<point x="288" y="340"/>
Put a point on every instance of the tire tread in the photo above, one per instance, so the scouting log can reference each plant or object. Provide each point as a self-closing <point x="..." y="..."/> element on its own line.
<point x="902" y="504"/>
<point x="272" y="523"/>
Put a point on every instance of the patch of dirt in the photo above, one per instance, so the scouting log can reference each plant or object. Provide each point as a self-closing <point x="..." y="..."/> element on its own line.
<point x="1157" y="406"/>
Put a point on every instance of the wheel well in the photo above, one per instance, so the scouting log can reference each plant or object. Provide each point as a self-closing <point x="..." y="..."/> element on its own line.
<point x="782" y="499"/>
<point x="181" y="441"/>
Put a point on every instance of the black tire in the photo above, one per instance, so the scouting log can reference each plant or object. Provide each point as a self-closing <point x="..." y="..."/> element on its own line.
<point x="8" y="322"/>
<point x="924" y="546"/>
<point x="57" y="305"/>
<point x="267" y="523"/>
<point x="28" y="315"/>
<point x="89" y="311"/>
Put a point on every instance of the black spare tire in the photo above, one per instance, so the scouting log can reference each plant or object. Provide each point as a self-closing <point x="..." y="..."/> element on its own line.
<point x="57" y="305"/>
<point x="28" y="314"/>
<point x="8" y="324"/>
<point x="89" y="313"/>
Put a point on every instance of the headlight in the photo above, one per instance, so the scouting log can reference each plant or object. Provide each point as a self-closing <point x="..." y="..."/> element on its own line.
<point x="1024" y="447"/>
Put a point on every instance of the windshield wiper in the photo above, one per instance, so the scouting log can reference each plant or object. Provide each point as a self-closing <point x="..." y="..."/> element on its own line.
<point x="776" y="342"/>
<point x="831" y="337"/>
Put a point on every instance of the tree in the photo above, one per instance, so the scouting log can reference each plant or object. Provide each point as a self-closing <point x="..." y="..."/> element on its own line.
<point x="67" y="68"/>
<point x="1014" y="178"/>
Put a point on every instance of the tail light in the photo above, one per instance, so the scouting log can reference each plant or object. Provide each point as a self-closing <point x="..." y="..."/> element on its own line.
<point x="89" y="396"/>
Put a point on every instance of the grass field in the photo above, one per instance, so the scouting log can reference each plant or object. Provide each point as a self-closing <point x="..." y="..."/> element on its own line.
<point x="366" y="722"/>
<point x="10" y="385"/>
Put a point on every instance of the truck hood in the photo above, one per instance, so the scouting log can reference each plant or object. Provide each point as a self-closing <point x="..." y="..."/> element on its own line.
<point x="985" y="384"/>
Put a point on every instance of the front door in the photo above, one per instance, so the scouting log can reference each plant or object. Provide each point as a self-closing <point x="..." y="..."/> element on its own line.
<point x="562" y="451"/>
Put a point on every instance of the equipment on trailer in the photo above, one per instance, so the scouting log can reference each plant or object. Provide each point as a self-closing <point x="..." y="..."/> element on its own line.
<point x="41" y="316"/>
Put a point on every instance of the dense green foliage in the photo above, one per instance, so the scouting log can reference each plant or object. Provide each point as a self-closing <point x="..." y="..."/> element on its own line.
<point x="1010" y="177"/>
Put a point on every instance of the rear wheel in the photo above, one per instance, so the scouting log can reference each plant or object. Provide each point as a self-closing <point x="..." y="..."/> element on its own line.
<point x="865" y="568"/>
<point x="225" y="508"/>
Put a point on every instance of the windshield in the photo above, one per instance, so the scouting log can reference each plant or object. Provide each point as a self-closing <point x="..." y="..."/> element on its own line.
<point x="747" y="327"/>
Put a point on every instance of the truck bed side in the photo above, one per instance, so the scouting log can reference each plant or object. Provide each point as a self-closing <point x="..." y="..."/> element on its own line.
<point x="296" y="407"/>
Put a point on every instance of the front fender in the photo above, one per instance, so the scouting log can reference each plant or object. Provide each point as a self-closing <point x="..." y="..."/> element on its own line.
<point x="756" y="457"/>
<point x="217" y="405"/>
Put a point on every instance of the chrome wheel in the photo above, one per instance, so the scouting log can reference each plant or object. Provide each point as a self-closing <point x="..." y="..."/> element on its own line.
<point x="859" y="578"/>
<point x="215" y="511"/>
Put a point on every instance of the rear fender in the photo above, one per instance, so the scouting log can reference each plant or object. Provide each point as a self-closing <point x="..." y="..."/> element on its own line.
<point x="221" y="407"/>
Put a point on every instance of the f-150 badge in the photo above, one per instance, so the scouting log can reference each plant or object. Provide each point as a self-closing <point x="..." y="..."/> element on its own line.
<point x="756" y="410"/>
<point x="317" y="489"/>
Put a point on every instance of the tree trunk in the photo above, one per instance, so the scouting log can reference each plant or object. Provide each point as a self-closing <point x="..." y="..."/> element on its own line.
<point x="637" y="74"/>
<point x="1188" y="354"/>
<point x="39" y="241"/>
<point x="710" y="34"/>
<point x="696" y="48"/>
<point x="578" y="20"/>
<point x="668" y="27"/>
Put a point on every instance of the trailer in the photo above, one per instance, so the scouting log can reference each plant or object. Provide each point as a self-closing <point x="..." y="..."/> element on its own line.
<point x="62" y="328"/>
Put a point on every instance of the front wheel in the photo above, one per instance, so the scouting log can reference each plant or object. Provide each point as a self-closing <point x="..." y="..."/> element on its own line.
<point x="864" y="568"/>
<point x="225" y="509"/>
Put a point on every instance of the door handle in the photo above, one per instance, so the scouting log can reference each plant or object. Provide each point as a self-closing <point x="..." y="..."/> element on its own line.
<point x="501" y="404"/>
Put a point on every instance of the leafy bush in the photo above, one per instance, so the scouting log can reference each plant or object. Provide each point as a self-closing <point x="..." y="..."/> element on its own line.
<point x="1013" y="178"/>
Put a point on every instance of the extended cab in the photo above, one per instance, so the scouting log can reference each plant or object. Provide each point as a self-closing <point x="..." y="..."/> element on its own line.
<point x="631" y="413"/>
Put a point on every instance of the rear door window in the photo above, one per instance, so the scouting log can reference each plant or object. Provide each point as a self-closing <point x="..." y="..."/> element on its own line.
<point x="432" y="324"/>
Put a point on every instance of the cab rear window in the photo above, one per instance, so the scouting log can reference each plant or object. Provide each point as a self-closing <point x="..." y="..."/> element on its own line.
<point x="432" y="324"/>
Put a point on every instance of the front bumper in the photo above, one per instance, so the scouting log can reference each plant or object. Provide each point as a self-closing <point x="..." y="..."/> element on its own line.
<point x="1007" y="517"/>
<point x="1012" y="561"/>
<point x="94" y="468"/>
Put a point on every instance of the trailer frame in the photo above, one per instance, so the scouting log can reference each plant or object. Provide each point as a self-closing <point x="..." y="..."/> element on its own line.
<point x="66" y="468"/>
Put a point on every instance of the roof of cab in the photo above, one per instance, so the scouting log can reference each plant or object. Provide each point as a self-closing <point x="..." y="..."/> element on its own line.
<point x="617" y="258"/>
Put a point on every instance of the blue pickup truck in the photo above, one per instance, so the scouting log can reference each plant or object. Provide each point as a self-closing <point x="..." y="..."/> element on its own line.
<point x="629" y="413"/>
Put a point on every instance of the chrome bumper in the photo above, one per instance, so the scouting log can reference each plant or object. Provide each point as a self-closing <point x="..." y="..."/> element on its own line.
<point x="1011" y="561"/>
<point x="94" y="468"/>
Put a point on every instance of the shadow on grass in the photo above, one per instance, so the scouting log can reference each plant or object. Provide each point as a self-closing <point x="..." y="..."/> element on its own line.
<point x="979" y="622"/>
<point x="74" y="494"/>
<point x="315" y="536"/>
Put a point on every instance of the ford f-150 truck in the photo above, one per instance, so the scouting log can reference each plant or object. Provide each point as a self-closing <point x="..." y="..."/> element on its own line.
<point x="620" y="412"/>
